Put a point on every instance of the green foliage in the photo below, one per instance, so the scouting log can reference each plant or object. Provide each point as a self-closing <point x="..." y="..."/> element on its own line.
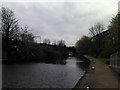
<point x="103" y="43"/>
<point x="103" y="60"/>
<point x="114" y="28"/>
<point x="83" y="45"/>
<point x="112" y="43"/>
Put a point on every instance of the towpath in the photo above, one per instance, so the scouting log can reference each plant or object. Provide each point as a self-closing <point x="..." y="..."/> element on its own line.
<point x="101" y="77"/>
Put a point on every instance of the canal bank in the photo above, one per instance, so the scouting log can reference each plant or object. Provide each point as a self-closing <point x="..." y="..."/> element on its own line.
<point x="101" y="77"/>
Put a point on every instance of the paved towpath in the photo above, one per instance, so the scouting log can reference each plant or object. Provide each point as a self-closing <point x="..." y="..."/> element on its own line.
<point x="101" y="77"/>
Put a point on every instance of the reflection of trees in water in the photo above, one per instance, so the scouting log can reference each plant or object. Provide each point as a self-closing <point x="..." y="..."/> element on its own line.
<point x="62" y="62"/>
<point x="83" y="65"/>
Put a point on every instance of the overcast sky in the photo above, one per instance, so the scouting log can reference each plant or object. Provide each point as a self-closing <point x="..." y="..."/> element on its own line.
<point x="62" y="20"/>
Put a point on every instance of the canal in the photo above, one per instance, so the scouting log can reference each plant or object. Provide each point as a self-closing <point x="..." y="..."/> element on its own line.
<point x="42" y="75"/>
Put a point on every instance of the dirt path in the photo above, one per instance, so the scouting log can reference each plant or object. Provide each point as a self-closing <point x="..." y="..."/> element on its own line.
<point x="101" y="77"/>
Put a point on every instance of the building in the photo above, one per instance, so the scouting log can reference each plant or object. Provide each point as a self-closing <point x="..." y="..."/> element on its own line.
<point x="102" y="37"/>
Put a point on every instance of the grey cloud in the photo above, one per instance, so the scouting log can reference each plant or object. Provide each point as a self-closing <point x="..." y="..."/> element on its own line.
<point x="61" y="20"/>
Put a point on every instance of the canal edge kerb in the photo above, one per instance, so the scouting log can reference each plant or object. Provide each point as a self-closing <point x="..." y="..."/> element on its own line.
<point x="86" y="71"/>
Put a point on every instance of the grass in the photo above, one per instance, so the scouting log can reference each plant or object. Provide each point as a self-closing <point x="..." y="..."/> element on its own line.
<point x="103" y="60"/>
<point x="89" y="57"/>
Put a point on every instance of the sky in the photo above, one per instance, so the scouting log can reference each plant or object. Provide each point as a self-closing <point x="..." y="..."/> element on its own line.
<point x="66" y="20"/>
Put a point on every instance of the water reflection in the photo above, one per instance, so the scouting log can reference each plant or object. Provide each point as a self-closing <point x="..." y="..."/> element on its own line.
<point x="41" y="75"/>
<point x="83" y="65"/>
<point x="61" y="62"/>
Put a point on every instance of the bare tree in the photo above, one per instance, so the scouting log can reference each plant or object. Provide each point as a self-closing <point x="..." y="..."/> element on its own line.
<point x="46" y="41"/>
<point x="26" y="36"/>
<point x="9" y="29"/>
<point x="61" y="43"/>
<point x="96" y="29"/>
<point x="54" y="42"/>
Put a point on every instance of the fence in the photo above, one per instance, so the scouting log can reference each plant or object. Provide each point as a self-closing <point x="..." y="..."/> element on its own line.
<point x="115" y="61"/>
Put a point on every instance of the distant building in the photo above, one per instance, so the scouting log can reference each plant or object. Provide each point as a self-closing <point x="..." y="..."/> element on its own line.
<point x="102" y="36"/>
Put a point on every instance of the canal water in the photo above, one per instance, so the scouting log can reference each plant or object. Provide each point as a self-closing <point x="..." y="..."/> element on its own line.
<point x="42" y="75"/>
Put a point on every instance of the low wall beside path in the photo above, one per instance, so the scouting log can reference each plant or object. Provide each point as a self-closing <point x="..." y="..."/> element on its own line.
<point x="115" y="61"/>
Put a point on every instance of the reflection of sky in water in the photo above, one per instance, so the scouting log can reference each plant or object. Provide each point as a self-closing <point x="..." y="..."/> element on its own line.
<point x="39" y="75"/>
<point x="71" y="62"/>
